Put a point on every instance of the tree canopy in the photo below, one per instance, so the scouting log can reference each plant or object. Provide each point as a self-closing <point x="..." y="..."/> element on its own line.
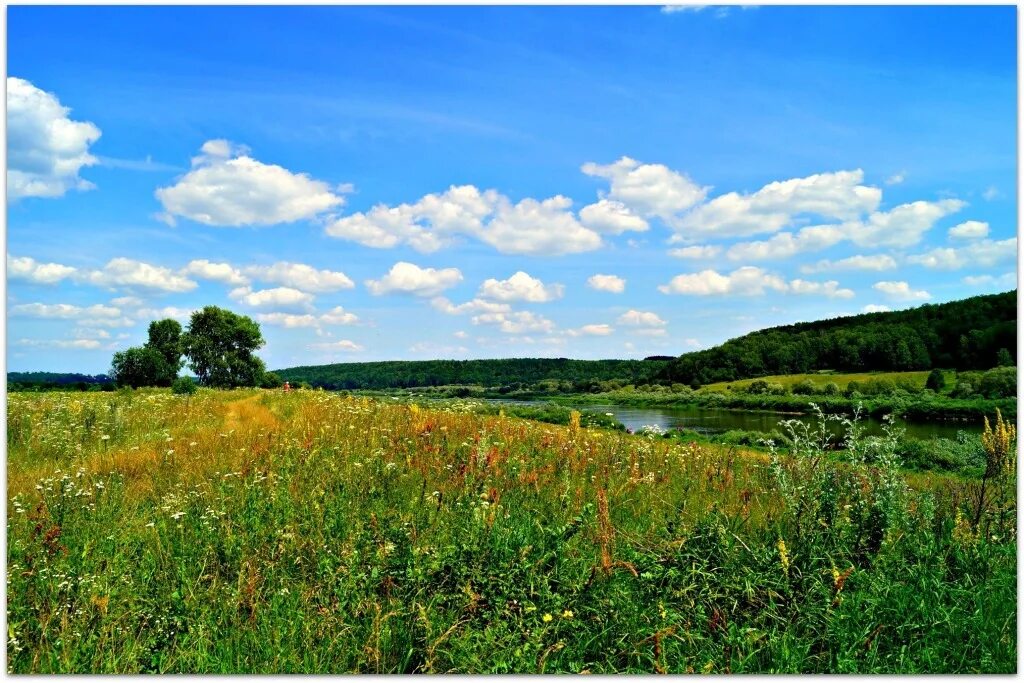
<point x="220" y="347"/>
<point x="156" y="363"/>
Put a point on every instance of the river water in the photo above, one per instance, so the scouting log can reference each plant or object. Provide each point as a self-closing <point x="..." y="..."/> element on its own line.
<point x="717" y="420"/>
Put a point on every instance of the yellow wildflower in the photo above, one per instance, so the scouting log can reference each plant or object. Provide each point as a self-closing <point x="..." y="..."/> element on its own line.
<point x="567" y="614"/>
<point x="547" y="617"/>
<point x="783" y="555"/>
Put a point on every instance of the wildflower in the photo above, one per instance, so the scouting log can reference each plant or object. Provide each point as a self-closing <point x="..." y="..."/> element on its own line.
<point x="567" y="614"/>
<point x="547" y="617"/>
<point x="783" y="556"/>
<point x="178" y="515"/>
<point x="105" y="437"/>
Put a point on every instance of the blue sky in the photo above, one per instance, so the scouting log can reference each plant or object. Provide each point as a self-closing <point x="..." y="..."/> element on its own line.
<point x="473" y="182"/>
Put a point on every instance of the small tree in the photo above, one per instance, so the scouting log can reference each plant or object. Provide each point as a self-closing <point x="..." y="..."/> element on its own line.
<point x="805" y="387"/>
<point x="165" y="339"/>
<point x="936" y="380"/>
<point x="138" y="366"/>
<point x="1004" y="359"/>
<point x="184" y="385"/>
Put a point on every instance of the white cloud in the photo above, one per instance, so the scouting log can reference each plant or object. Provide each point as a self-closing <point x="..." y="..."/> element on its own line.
<point x="475" y="306"/>
<point x="520" y="287"/>
<point x="339" y="316"/>
<point x="175" y="312"/>
<point x="226" y="187"/>
<point x="746" y="281"/>
<point x="538" y="228"/>
<point x="607" y="283"/>
<point x="220" y="272"/>
<point x="902" y="226"/>
<point x="301" y="276"/>
<point x="516" y="323"/>
<point x="901" y="291"/>
<point x="830" y="289"/>
<point x="45" y="149"/>
<point x="786" y="244"/>
<point x="345" y="345"/>
<point x="837" y="195"/>
<point x="65" y="311"/>
<point x="408" y="278"/>
<point x="969" y="230"/>
<point x="697" y="252"/>
<point x="1004" y="280"/>
<point x="635" y="318"/>
<point x="878" y="262"/>
<point x="123" y="272"/>
<point x="26" y="268"/>
<point x="982" y="253"/>
<point x="460" y="334"/>
<point x="648" y="189"/>
<point x="289" y="320"/>
<point x="595" y="330"/>
<point x="87" y="344"/>
<point x="651" y="332"/>
<point x="991" y="193"/>
<point x="426" y="225"/>
<point x="896" y="178"/>
<point x="127" y="301"/>
<point x="611" y="217"/>
<point x="875" y="308"/>
<point x="272" y="298"/>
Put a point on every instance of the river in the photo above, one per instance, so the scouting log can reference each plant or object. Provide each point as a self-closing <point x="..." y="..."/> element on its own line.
<point x="717" y="420"/>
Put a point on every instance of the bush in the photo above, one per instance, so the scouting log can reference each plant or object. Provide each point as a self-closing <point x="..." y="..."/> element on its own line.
<point x="999" y="383"/>
<point x="758" y="386"/>
<point x="962" y="389"/>
<point x="805" y="387"/>
<point x="776" y="390"/>
<point x="271" y="380"/>
<point x="184" y="385"/>
<point x="936" y="380"/>
<point x="830" y="389"/>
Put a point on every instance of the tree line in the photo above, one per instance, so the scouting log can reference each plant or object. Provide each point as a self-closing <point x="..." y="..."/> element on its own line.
<point x="972" y="334"/>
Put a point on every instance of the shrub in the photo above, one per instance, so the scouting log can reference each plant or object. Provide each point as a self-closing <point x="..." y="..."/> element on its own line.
<point x="936" y="380"/>
<point x="184" y="385"/>
<point x="962" y="389"/>
<point x="776" y="390"/>
<point x="999" y="383"/>
<point x="758" y="386"/>
<point x="830" y="389"/>
<point x="805" y="387"/>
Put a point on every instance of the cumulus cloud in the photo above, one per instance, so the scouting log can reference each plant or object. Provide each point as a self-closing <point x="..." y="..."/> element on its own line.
<point x="878" y="262"/>
<point x="875" y="308"/>
<point x="124" y="272"/>
<point x="748" y="281"/>
<point x="648" y="189"/>
<point x="301" y="276"/>
<point x="339" y="316"/>
<point x="534" y="227"/>
<point x="520" y="287"/>
<point x="474" y="306"/>
<point x="289" y="320"/>
<point x="607" y="283"/>
<point x="611" y="217"/>
<point x="831" y="289"/>
<point x="745" y="281"/>
<point x="436" y="221"/>
<point x="594" y="330"/>
<point x="636" y="318"/>
<point x="786" y="244"/>
<point x="901" y="291"/>
<point x="176" y="312"/>
<point x="517" y="322"/>
<point x="220" y="272"/>
<point x="272" y="298"/>
<point x="26" y="268"/>
<point x="839" y="195"/>
<point x="697" y="252"/>
<point x="902" y="226"/>
<point x="969" y="230"/>
<point x="226" y="187"/>
<point x="983" y="253"/>
<point x="45" y="148"/>
<point x="408" y="278"/>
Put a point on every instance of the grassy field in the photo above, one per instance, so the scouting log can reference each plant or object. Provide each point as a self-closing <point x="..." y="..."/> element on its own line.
<point x="257" y="531"/>
<point x="917" y="379"/>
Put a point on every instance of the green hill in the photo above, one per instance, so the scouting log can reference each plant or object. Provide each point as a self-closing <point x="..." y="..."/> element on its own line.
<point x="970" y="334"/>
<point x="486" y="373"/>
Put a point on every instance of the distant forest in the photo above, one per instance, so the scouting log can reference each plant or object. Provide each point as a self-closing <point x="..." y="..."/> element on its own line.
<point x="510" y="372"/>
<point x="971" y="334"/>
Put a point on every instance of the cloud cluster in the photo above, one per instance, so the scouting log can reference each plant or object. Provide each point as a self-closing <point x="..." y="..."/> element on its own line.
<point x="45" y="148"/>
<point x="408" y="278"/>
<point x="982" y="253"/>
<point x="901" y="291"/>
<point x="607" y="283"/>
<point x="26" y="268"/>
<point x="520" y="287"/>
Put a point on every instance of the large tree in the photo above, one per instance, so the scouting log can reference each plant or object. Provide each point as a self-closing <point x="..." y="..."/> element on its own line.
<point x="165" y="339"/>
<point x="220" y="344"/>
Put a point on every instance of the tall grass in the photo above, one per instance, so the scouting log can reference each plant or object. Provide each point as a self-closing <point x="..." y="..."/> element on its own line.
<point x="254" y="531"/>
